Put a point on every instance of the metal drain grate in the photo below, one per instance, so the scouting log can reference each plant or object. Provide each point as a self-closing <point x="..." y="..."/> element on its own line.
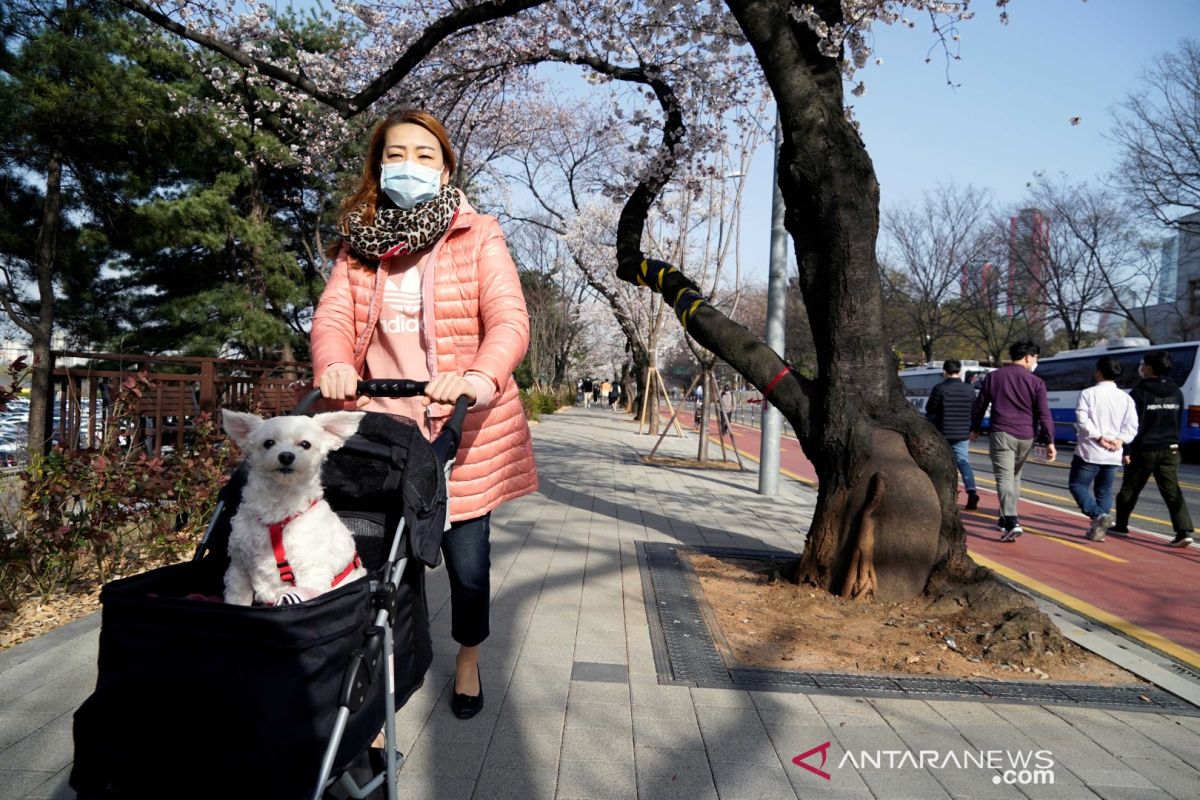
<point x="686" y="653"/>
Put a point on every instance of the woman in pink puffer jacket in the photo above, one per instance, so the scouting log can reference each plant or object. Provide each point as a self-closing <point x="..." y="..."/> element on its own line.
<point x="424" y="288"/>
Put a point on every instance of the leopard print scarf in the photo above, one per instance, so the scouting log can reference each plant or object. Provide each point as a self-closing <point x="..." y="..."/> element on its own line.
<point x="400" y="231"/>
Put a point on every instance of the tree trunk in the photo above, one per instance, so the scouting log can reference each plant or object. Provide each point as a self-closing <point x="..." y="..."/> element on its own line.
<point x="42" y="330"/>
<point x="886" y="513"/>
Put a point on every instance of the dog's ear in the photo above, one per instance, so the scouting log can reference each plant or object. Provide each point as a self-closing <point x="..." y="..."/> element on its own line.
<point x="239" y="425"/>
<point x="339" y="425"/>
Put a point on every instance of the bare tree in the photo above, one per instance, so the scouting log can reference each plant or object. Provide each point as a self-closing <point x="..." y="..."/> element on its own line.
<point x="1158" y="128"/>
<point x="1093" y="261"/>
<point x="931" y="250"/>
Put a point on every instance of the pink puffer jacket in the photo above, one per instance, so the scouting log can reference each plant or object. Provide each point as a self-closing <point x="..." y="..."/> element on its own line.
<point x="476" y="308"/>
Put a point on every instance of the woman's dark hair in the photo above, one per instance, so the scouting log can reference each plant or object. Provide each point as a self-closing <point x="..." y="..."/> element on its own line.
<point x="1109" y="368"/>
<point x="1021" y="349"/>
<point x="1159" y="362"/>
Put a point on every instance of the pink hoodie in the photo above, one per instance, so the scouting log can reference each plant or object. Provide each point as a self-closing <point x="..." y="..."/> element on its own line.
<point x="475" y="308"/>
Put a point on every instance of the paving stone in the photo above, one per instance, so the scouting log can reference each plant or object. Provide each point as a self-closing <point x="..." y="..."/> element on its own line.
<point x="613" y="716"/>
<point x="41" y="751"/>
<point x="595" y="692"/>
<point x="516" y="784"/>
<point x="590" y="744"/>
<point x="722" y="698"/>
<point x="1172" y="776"/>
<point x="550" y="692"/>
<point x="593" y="779"/>
<point x="671" y="733"/>
<point x="431" y="754"/>
<point x="1126" y="793"/>
<point x="57" y="787"/>
<point x="15" y="726"/>
<point x="673" y="775"/>
<point x="747" y="781"/>
<point x="433" y="787"/>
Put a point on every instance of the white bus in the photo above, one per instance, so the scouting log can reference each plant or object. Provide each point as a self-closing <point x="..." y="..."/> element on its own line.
<point x="919" y="381"/>
<point x="1070" y="372"/>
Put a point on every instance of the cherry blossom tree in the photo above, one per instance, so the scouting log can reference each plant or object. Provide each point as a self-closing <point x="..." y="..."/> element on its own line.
<point x="886" y="523"/>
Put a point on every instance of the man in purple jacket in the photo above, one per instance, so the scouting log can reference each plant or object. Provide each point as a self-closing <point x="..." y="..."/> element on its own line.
<point x="1020" y="416"/>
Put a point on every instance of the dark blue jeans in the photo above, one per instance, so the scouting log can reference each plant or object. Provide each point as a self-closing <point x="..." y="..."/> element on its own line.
<point x="468" y="562"/>
<point x="961" y="454"/>
<point x="1091" y="486"/>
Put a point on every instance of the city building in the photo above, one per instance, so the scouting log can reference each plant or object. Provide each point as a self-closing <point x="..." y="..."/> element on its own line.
<point x="982" y="280"/>
<point x="1028" y="263"/>
<point x="1176" y="315"/>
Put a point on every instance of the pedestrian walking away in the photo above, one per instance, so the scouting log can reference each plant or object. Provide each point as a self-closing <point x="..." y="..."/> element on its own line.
<point x="417" y="273"/>
<point x="1020" y="416"/>
<point x="1105" y="420"/>
<point x="949" y="409"/>
<point x="1155" y="449"/>
<point x="725" y="402"/>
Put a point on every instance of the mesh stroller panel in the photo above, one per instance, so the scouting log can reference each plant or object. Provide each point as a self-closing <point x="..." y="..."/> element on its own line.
<point x="386" y="461"/>
<point x="370" y="530"/>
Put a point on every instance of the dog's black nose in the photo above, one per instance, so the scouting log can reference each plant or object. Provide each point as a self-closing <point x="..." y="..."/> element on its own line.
<point x="286" y="458"/>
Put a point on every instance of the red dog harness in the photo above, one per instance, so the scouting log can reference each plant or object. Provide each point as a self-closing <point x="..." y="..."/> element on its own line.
<point x="285" y="569"/>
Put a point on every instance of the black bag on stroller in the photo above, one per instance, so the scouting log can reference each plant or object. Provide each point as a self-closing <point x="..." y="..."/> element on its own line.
<point x="199" y="699"/>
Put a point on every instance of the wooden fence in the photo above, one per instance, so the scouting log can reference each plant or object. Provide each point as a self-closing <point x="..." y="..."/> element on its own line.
<point x="178" y="389"/>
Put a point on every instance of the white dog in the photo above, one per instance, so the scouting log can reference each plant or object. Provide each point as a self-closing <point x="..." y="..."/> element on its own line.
<point x="286" y="543"/>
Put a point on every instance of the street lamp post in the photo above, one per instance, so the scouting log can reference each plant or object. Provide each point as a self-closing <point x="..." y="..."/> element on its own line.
<point x="772" y="420"/>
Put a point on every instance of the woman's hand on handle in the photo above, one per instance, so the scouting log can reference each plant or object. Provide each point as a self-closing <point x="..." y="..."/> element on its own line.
<point x="447" y="387"/>
<point x="340" y="382"/>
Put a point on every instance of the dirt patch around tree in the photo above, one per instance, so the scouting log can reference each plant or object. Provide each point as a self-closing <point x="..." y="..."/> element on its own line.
<point x="691" y="463"/>
<point x="766" y="621"/>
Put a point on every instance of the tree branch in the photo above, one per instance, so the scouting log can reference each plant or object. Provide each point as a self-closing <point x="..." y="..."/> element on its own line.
<point x="346" y="105"/>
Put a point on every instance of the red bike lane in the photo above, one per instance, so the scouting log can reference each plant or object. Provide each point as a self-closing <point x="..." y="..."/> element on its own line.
<point x="1137" y="585"/>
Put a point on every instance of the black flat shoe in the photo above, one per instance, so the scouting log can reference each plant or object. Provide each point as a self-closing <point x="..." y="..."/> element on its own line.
<point x="466" y="706"/>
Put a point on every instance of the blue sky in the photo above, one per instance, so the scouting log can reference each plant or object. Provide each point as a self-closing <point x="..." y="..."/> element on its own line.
<point x="1009" y="117"/>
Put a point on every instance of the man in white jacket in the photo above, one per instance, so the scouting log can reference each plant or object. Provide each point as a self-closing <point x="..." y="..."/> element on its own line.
<point x="1105" y="419"/>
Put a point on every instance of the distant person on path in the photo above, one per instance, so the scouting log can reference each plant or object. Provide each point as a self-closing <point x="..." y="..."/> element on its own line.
<point x="725" y="401"/>
<point x="587" y="392"/>
<point x="1105" y="420"/>
<point x="1020" y="414"/>
<point x="949" y="409"/>
<point x="1155" y="449"/>
<point x="579" y="392"/>
<point x="614" y="398"/>
<point x="605" y="391"/>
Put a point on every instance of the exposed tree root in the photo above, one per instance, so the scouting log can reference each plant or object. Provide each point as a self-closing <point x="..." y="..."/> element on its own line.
<point x="861" y="580"/>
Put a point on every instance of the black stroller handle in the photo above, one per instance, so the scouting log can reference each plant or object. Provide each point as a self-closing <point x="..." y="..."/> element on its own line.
<point x="444" y="446"/>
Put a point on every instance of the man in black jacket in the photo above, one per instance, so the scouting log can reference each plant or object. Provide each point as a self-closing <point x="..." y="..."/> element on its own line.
<point x="949" y="409"/>
<point x="1155" y="449"/>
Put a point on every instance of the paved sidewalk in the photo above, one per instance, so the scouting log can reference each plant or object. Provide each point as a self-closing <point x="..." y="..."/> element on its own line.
<point x="574" y="709"/>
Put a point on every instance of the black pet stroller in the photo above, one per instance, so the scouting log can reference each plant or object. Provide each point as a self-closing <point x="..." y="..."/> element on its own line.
<point x="199" y="699"/>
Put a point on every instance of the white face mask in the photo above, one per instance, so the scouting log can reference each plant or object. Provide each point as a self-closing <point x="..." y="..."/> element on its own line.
<point x="408" y="183"/>
<point x="1033" y="367"/>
